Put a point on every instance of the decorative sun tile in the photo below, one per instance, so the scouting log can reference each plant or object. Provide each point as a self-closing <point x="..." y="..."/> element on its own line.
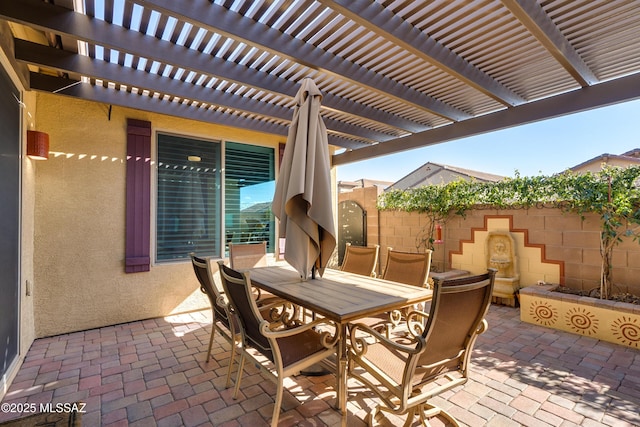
<point x="543" y="313"/>
<point x="627" y="331"/>
<point x="582" y="321"/>
<point x="599" y="320"/>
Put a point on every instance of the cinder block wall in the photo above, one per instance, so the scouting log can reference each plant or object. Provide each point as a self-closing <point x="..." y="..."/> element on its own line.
<point x="558" y="238"/>
<point x="404" y="231"/>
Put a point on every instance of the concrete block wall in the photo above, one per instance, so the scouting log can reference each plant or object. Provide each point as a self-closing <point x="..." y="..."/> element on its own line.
<point x="558" y="241"/>
<point x="403" y="231"/>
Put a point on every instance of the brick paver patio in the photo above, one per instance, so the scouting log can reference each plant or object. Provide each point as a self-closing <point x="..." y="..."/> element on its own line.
<point x="152" y="373"/>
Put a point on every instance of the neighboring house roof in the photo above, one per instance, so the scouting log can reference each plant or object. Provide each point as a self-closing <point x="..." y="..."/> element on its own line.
<point x="632" y="153"/>
<point x="258" y="208"/>
<point x="435" y="173"/>
<point x="629" y="158"/>
<point x="344" y="186"/>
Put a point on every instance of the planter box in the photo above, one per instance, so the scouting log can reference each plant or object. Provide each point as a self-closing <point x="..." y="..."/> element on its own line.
<point x="616" y="322"/>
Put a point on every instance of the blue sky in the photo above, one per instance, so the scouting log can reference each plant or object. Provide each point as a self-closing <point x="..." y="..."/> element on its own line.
<point x="545" y="147"/>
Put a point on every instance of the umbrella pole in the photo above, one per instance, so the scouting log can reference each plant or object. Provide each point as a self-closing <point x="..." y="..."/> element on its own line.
<point x="316" y="369"/>
<point x="319" y="257"/>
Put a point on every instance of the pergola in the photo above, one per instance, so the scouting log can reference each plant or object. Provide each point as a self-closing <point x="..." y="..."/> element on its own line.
<point x="395" y="74"/>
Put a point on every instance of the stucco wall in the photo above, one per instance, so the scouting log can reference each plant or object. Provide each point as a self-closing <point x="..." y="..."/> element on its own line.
<point x="80" y="220"/>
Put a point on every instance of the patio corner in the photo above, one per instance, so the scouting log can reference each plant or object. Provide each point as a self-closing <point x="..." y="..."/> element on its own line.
<point x="611" y="321"/>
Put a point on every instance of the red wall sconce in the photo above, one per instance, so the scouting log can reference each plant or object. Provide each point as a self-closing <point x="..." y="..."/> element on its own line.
<point x="37" y="145"/>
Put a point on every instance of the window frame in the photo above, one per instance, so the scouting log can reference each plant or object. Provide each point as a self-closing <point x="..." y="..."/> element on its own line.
<point x="221" y="249"/>
<point x="271" y="242"/>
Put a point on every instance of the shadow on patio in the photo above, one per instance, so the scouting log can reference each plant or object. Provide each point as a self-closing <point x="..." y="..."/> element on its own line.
<point x="152" y="373"/>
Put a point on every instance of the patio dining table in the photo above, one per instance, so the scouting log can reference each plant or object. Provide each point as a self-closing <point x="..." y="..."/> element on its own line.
<point x="341" y="297"/>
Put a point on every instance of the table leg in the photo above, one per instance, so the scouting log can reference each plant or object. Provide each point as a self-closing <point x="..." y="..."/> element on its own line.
<point x="341" y="371"/>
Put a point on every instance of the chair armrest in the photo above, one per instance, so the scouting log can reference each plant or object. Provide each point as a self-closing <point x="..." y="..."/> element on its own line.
<point x="257" y="293"/>
<point x="328" y="339"/>
<point x="222" y="302"/>
<point x="483" y="326"/>
<point x="416" y="320"/>
<point x="359" y="343"/>
<point x="266" y="328"/>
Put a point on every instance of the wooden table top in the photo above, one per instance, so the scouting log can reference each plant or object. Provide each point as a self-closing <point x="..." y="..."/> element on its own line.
<point x="340" y="296"/>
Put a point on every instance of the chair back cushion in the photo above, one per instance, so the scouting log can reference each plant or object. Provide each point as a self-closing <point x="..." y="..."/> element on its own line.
<point x="244" y="256"/>
<point x="408" y="267"/>
<point x="202" y="269"/>
<point x="238" y="290"/>
<point x="457" y="310"/>
<point x="360" y="259"/>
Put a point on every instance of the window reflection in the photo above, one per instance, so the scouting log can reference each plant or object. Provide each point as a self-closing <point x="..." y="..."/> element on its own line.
<point x="249" y="188"/>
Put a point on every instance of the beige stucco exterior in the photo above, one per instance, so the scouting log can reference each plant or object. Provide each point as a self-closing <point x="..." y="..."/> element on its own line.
<point x="79" y="278"/>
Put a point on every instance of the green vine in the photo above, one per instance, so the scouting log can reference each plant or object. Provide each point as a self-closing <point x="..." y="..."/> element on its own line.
<point x="613" y="193"/>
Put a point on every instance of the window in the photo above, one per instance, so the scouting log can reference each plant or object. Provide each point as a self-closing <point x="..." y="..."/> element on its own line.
<point x="189" y="207"/>
<point x="249" y="187"/>
<point x="189" y="199"/>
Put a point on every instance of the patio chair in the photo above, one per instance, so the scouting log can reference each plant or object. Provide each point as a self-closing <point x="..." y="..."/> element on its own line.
<point x="360" y="259"/>
<point x="219" y="309"/>
<point x="230" y="328"/>
<point x="406" y="373"/>
<point x="243" y="256"/>
<point x="286" y="345"/>
<point x="411" y="268"/>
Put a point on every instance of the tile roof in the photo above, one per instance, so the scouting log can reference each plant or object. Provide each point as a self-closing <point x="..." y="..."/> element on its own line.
<point x="436" y="173"/>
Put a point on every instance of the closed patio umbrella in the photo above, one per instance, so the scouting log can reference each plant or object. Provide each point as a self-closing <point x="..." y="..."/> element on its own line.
<point x="302" y="200"/>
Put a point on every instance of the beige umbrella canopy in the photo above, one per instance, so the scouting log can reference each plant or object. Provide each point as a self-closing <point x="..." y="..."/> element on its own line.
<point x="302" y="200"/>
